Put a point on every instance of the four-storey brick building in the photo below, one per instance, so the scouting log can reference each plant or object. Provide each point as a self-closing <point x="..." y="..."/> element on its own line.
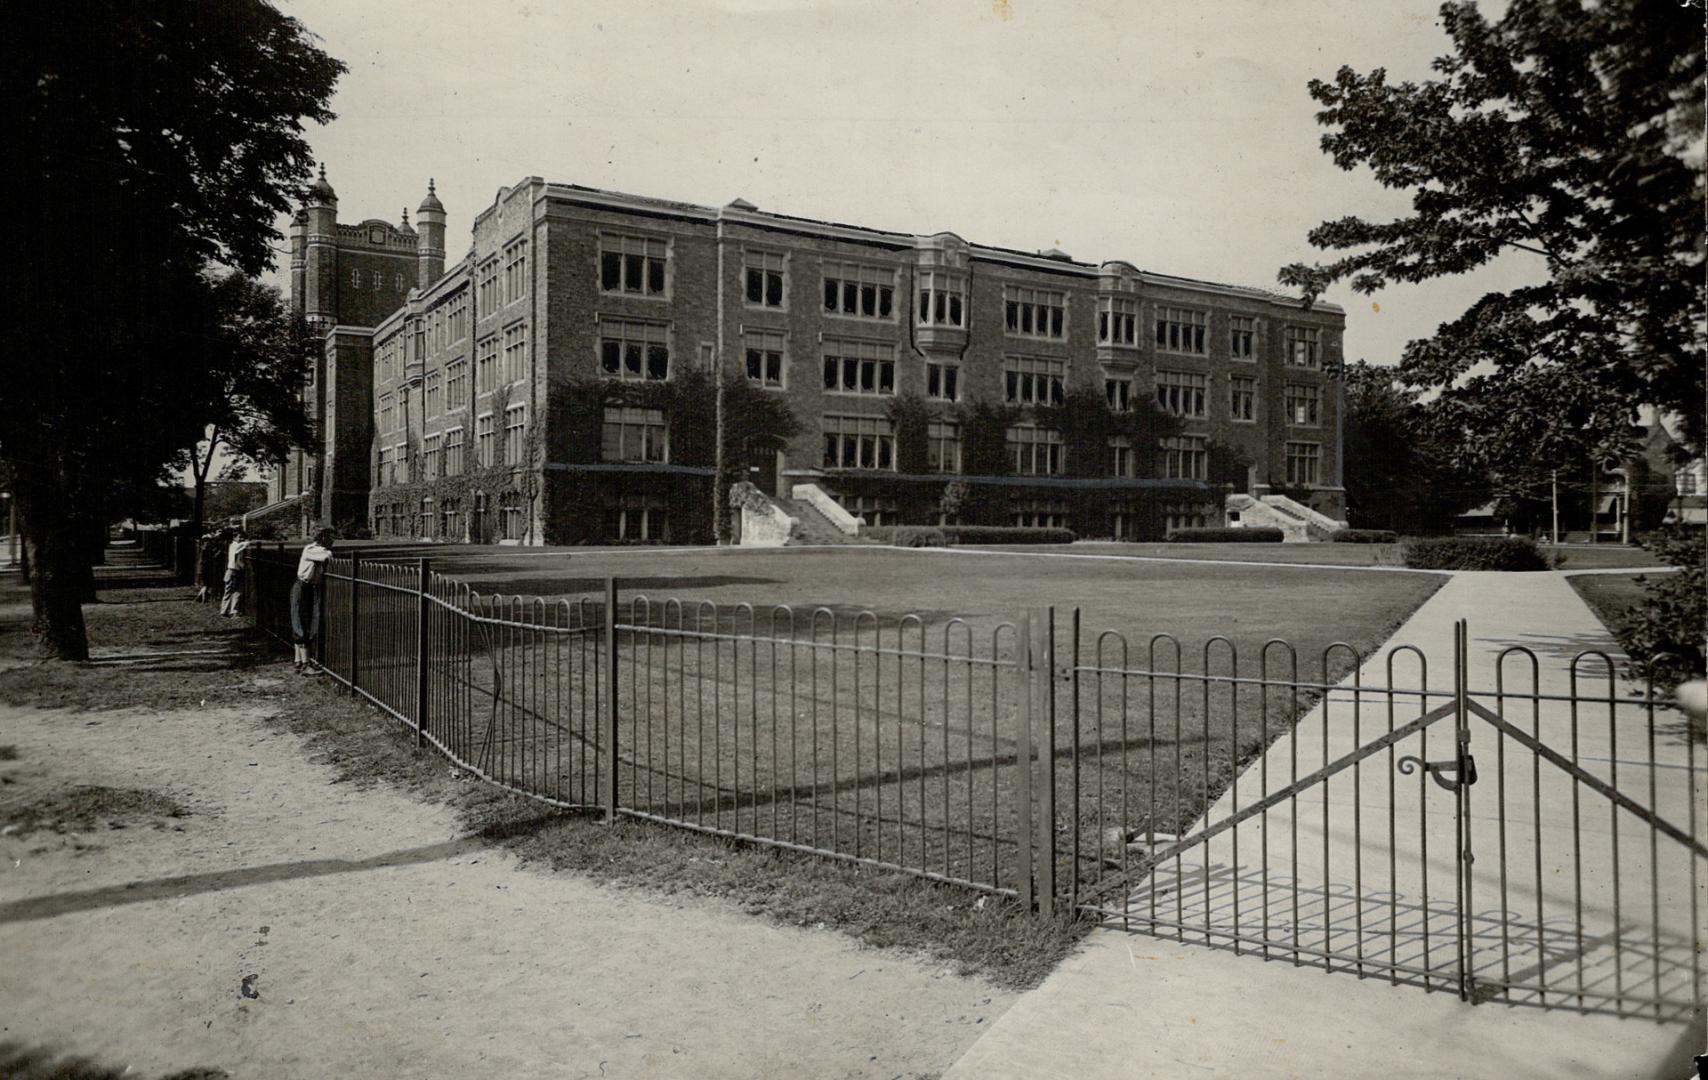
<point x="559" y="383"/>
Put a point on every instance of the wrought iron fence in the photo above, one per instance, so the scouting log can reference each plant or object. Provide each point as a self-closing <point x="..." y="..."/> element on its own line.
<point x="1309" y="809"/>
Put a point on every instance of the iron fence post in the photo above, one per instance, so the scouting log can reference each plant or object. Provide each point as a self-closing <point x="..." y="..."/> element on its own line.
<point x="1045" y="656"/>
<point x="1025" y="837"/>
<point x="355" y="617"/>
<point x="421" y="656"/>
<point x="610" y="717"/>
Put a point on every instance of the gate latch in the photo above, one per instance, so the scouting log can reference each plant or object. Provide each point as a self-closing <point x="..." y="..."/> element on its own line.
<point x="1465" y="772"/>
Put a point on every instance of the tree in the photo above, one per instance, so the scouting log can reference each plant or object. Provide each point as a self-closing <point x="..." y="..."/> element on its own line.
<point x="1562" y="130"/>
<point x="256" y="352"/>
<point x="1398" y="475"/>
<point x="146" y="141"/>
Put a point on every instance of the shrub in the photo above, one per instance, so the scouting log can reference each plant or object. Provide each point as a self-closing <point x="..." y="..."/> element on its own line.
<point x="1006" y="534"/>
<point x="1226" y="536"/>
<point x="1474" y="553"/>
<point x="933" y="536"/>
<point x="1364" y="536"/>
<point x="919" y="538"/>
<point x="1664" y="637"/>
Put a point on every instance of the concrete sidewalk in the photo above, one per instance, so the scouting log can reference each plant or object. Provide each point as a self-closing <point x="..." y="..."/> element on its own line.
<point x="1342" y="879"/>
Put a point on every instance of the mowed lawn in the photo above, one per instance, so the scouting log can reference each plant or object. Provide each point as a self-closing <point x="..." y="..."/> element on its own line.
<point x="877" y="737"/>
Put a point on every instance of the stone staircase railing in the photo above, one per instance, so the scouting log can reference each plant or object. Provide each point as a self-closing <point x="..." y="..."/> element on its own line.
<point x="820" y="500"/>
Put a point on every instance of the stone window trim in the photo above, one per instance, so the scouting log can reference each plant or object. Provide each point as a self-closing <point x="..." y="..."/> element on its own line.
<point x="1242" y="399"/>
<point x="632" y="434"/>
<point x="1034" y="380"/>
<point x="485" y="439"/>
<point x="514" y="366"/>
<point x="765" y="279"/>
<point x="633" y="350"/>
<point x="858" y="442"/>
<point x="1118" y="322"/>
<point x="1303" y="403"/>
<point x="1183" y="393"/>
<point x="1035" y="313"/>
<point x="942" y="298"/>
<point x="1121" y="460"/>
<point x="635" y="264"/>
<point x="515" y="433"/>
<point x="1182" y="330"/>
<point x="1244" y="336"/>
<point x="1036" y="450"/>
<point x="859" y="290"/>
<point x="515" y="274"/>
<point x="943" y="446"/>
<point x="1186" y="457"/>
<point x="943" y="382"/>
<point x="765" y="357"/>
<point x="1302" y="347"/>
<point x="1118" y="392"/>
<point x="1304" y="464"/>
<point x="855" y="367"/>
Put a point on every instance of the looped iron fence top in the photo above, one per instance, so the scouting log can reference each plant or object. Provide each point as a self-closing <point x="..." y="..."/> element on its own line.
<point x="1182" y="789"/>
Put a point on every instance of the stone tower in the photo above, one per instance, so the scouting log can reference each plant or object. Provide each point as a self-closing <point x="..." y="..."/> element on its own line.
<point x="430" y="239"/>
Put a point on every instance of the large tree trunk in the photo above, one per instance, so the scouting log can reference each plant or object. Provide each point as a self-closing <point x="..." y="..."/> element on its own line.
<point x="57" y="569"/>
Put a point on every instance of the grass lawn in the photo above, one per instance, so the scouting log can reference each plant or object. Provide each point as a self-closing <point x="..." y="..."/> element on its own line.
<point x="877" y="738"/>
<point x="1611" y="596"/>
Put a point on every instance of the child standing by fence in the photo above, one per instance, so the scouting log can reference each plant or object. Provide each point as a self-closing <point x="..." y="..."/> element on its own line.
<point x="305" y="597"/>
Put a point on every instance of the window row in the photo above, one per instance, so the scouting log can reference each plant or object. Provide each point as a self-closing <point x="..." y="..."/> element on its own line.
<point x="377" y="280"/>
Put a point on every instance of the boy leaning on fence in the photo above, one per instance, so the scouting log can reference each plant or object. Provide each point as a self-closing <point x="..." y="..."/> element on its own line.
<point x="305" y="598"/>
<point x="236" y="565"/>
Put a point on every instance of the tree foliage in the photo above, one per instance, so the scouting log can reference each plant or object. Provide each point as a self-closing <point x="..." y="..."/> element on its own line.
<point x="1398" y="475"/>
<point x="1564" y="130"/>
<point x="145" y="141"/>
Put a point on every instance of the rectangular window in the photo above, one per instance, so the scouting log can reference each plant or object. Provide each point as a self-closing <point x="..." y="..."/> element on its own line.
<point x="633" y="265"/>
<point x="1121" y="456"/>
<point x="486" y="288"/>
<point x="634" y="435"/>
<point x="460" y="317"/>
<point x="430" y="457"/>
<point x="875" y="511"/>
<point x="510" y="515"/>
<point x="454" y="452"/>
<point x="434" y="397"/>
<point x="1304" y="463"/>
<point x="424" y="519"/>
<point x="486" y="365"/>
<point x="1302" y="347"/>
<point x="420" y="356"/>
<point x="379" y="280"/>
<point x="1117" y="321"/>
<point x="516" y="353"/>
<point x="1185" y="516"/>
<point x="859" y="367"/>
<point x="1242" y="398"/>
<point x="1034" y="380"/>
<point x="942" y="299"/>
<point x="515" y="433"/>
<point x="858" y="442"/>
<point x="456" y="384"/>
<point x="1304" y="404"/>
<point x="1123" y="521"/>
<point x="387" y="416"/>
<point x="483" y="440"/>
<point x="637" y="517"/>
<point x="382" y="467"/>
<point x="859" y="290"/>
<point x="943" y="447"/>
<point x="632" y="350"/>
<point x="1182" y="393"/>
<point x="1119" y="394"/>
<point x="1038" y="514"/>
<point x="355" y="279"/>
<point x="763" y="350"/>
<point x="1181" y="330"/>
<point x="515" y="270"/>
<point x="1036" y="451"/>
<point x="1242" y="337"/>
<point x="1186" y="457"/>
<point x="1034" y="312"/>
<point x="400" y="464"/>
<point x="764" y="270"/>
<point x="943" y="382"/>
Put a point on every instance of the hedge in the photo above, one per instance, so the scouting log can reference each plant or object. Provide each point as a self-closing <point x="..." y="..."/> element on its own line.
<point x="1364" y="536"/>
<point x="1512" y="553"/>
<point x="1225" y="536"/>
<point x="934" y="536"/>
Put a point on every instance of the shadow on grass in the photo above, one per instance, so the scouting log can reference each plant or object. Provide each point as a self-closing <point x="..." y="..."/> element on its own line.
<point x="183" y="885"/>
<point x="20" y="1062"/>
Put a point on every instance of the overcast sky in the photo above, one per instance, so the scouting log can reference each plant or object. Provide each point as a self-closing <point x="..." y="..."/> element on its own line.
<point x="1176" y="135"/>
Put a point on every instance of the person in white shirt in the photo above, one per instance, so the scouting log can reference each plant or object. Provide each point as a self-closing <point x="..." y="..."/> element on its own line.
<point x="235" y="567"/>
<point x="305" y="597"/>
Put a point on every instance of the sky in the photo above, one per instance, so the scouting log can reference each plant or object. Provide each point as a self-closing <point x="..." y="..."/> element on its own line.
<point x="1178" y="136"/>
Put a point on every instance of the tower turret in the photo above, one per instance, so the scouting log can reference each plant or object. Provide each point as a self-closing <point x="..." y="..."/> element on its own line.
<point x="430" y="239"/>
<point x="320" y="254"/>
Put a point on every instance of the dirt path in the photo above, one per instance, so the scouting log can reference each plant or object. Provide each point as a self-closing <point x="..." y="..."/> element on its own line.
<point x="382" y="943"/>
